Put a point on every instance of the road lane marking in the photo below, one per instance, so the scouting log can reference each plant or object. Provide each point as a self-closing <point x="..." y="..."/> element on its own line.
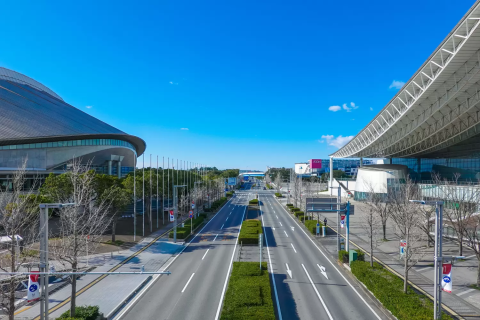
<point x="279" y="312"/>
<point x="322" y="270"/>
<point x="205" y="254"/>
<point x="293" y="248"/>
<point x="229" y="269"/>
<point x="215" y="237"/>
<point x="465" y="292"/>
<point x="188" y="282"/>
<point x="281" y="224"/>
<point x="289" y="271"/>
<point x="226" y="220"/>
<point x="358" y="294"/>
<point x="424" y="269"/>
<point x="276" y="216"/>
<point x="318" y="294"/>
<point x="285" y="233"/>
<point x="222" y="226"/>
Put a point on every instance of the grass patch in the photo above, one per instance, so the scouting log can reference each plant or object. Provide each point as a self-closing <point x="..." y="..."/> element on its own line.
<point x="250" y="231"/>
<point x="82" y="313"/>
<point x="115" y="243"/>
<point x="183" y="233"/>
<point x="311" y="225"/>
<point x="248" y="295"/>
<point x="388" y="289"/>
<point x="253" y="201"/>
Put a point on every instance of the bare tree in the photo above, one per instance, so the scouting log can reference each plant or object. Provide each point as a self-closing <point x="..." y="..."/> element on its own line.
<point x="461" y="204"/>
<point x="81" y="225"/>
<point x="19" y="222"/>
<point x="278" y="182"/>
<point x="407" y="221"/>
<point x="428" y="213"/>
<point x="370" y="222"/>
<point x="472" y="233"/>
<point x="380" y="205"/>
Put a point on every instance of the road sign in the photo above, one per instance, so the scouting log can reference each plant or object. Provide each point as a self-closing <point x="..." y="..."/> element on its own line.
<point x="33" y="288"/>
<point x="447" y="277"/>
<point x="193" y="202"/>
<point x="318" y="228"/>
<point x="190" y="214"/>
<point x="342" y="222"/>
<point x="172" y="218"/>
<point x="193" y="206"/>
<point x="403" y="245"/>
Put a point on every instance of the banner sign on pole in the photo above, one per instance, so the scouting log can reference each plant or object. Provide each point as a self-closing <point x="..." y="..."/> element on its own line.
<point x="33" y="288"/>
<point x="447" y="277"/>
<point x="403" y="245"/>
<point x="193" y="206"/>
<point x="172" y="218"/>
<point x="342" y="222"/>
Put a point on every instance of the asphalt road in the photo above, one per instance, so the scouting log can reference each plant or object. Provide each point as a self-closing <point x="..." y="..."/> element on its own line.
<point x="303" y="291"/>
<point x="196" y="287"/>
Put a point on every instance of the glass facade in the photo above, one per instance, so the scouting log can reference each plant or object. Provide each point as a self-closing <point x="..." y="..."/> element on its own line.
<point x="71" y="143"/>
<point x="467" y="169"/>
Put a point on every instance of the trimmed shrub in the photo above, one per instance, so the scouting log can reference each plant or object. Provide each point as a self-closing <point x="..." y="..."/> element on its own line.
<point x="253" y="201"/>
<point x="289" y="204"/>
<point x="249" y="294"/>
<point x="229" y="194"/>
<point x="278" y="195"/>
<point x="311" y="225"/>
<point x="82" y="313"/>
<point x="343" y="256"/>
<point x="360" y="255"/>
<point x="196" y="222"/>
<point x="250" y="231"/>
<point x="204" y="215"/>
<point x="388" y="289"/>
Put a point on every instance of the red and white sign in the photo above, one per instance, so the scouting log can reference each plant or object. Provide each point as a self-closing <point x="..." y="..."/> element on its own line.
<point x="342" y="221"/>
<point x="33" y="287"/>
<point x="447" y="277"/>
<point x="193" y="202"/>
<point x="172" y="218"/>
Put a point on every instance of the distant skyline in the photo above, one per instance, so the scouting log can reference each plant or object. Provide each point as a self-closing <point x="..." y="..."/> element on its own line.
<point x="233" y="85"/>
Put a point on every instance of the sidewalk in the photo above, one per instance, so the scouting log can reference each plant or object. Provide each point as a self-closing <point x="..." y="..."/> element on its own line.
<point x="463" y="300"/>
<point x="107" y="291"/>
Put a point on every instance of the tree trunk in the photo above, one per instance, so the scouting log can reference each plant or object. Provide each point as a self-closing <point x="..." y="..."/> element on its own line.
<point x="460" y="244"/>
<point x="114" y="226"/>
<point x="11" y="298"/>
<point x="74" y="291"/>
<point x="478" y="273"/>
<point x="371" y="246"/>
<point x="384" y="227"/>
<point x="406" y="264"/>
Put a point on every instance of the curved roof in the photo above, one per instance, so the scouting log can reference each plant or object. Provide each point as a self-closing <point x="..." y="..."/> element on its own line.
<point x="30" y="114"/>
<point x="437" y="109"/>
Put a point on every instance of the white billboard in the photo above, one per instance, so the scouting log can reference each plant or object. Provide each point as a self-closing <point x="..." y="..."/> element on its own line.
<point x="302" y="168"/>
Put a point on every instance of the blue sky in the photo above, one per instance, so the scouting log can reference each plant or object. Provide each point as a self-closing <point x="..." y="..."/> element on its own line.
<point x="254" y="82"/>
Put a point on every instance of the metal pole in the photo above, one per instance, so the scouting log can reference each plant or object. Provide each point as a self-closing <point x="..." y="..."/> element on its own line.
<point x="157" y="192"/>
<point x="42" y="262"/>
<point x="143" y="193"/>
<point x="440" y="252"/>
<point x="331" y="175"/>
<point x="435" y="284"/>
<point x="347" y="246"/>
<point x="174" y="214"/>
<point x="150" y="200"/>
<point x="134" y="197"/>
<point x="163" y="189"/>
<point x="338" y="222"/>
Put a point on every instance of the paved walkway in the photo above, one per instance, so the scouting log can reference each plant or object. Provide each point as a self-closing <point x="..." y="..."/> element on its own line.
<point x="107" y="291"/>
<point x="463" y="300"/>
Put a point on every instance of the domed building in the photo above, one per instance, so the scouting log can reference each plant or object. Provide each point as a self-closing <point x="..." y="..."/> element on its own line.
<point x="37" y="125"/>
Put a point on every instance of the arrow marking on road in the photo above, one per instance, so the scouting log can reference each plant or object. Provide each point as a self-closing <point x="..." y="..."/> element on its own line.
<point x="285" y="233"/>
<point x="289" y="271"/>
<point x="323" y="271"/>
<point x="318" y="294"/>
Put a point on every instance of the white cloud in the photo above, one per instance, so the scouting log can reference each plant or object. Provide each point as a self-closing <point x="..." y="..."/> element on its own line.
<point x="175" y="83"/>
<point x="350" y="108"/>
<point x="184" y="129"/>
<point x="334" y="108"/>
<point x="371" y="109"/>
<point x="337" y="142"/>
<point x="89" y="107"/>
<point x="396" y="84"/>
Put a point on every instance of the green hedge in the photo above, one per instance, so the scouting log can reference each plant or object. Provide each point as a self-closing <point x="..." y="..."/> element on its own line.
<point x="311" y="225"/>
<point x="343" y="256"/>
<point x="299" y="214"/>
<point x="278" y="195"/>
<point x="253" y="201"/>
<point x="248" y="295"/>
<point x="388" y="289"/>
<point x="229" y="194"/>
<point x="218" y="203"/>
<point x="183" y="233"/>
<point x="82" y="313"/>
<point x="250" y="231"/>
<point x="289" y="204"/>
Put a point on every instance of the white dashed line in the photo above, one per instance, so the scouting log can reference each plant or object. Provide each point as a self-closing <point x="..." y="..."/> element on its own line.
<point x="293" y="248"/>
<point x="188" y="282"/>
<point x="215" y="237"/>
<point x="285" y="233"/>
<point x="222" y="226"/>
<point x="205" y="254"/>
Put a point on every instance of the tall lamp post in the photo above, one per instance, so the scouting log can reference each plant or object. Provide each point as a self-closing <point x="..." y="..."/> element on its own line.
<point x="175" y="210"/>
<point x="438" y="259"/>
<point x="44" y="254"/>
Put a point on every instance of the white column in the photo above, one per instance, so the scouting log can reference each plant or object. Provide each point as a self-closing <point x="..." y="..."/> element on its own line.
<point x="119" y="169"/>
<point x="109" y="167"/>
<point x="331" y="175"/>
<point x="361" y="162"/>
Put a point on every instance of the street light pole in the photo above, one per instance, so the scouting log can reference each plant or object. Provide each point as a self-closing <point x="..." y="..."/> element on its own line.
<point x="175" y="211"/>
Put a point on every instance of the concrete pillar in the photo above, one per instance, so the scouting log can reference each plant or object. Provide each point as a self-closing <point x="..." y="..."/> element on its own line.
<point x="331" y="174"/>
<point x="119" y="169"/>
<point x="361" y="162"/>
<point x="109" y="167"/>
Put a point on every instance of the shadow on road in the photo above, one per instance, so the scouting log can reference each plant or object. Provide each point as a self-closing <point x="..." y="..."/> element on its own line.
<point x="288" y="307"/>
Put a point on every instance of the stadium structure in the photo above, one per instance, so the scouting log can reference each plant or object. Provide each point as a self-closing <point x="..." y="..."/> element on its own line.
<point x="433" y="123"/>
<point x="38" y="127"/>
